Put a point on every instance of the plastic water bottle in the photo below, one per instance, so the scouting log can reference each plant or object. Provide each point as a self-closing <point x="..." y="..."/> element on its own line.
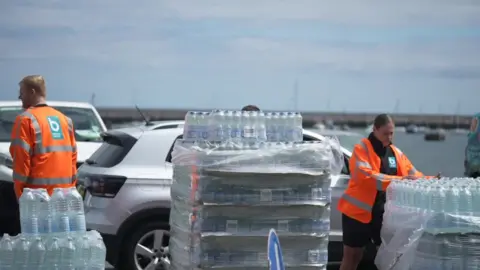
<point x="21" y="252"/>
<point x="298" y="122"/>
<point x="203" y="119"/>
<point x="269" y="126"/>
<point x="215" y="124"/>
<point x="228" y="126"/>
<point x="289" y="127"/>
<point x="439" y="201"/>
<point x="44" y="211"/>
<point x="276" y="128"/>
<point x="254" y="123"/>
<point x="453" y="206"/>
<point x="428" y="200"/>
<point x="37" y="254"/>
<point x="67" y="254"/>
<point x="187" y="125"/>
<point x="194" y="127"/>
<point x="6" y="252"/>
<point x="60" y="211"/>
<point x="248" y="129"/>
<point x="391" y="191"/>
<point x="261" y="127"/>
<point x="237" y="127"/>
<point x="283" y="129"/>
<point x="82" y="260"/>
<point x="189" y="129"/>
<point x="28" y="212"/>
<point x="53" y="255"/>
<point x="99" y="253"/>
<point x="76" y="214"/>
<point x="408" y="195"/>
<point x="465" y="207"/>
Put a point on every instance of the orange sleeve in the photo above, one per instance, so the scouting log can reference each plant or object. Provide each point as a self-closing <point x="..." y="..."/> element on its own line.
<point x="363" y="172"/>
<point x="411" y="170"/>
<point x="74" y="151"/>
<point x="21" y="147"/>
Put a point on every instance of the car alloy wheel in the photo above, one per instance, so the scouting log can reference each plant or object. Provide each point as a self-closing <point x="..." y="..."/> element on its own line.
<point x="150" y="249"/>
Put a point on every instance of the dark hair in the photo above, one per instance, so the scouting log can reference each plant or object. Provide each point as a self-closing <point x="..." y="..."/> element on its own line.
<point x="382" y="120"/>
<point x="251" y="108"/>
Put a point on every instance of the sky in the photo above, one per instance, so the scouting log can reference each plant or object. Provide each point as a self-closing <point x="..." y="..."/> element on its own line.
<point x="406" y="56"/>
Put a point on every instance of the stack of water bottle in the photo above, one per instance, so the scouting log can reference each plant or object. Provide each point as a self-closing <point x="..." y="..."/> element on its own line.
<point x="435" y="222"/>
<point x="53" y="234"/>
<point x="228" y="192"/>
<point x="249" y="126"/>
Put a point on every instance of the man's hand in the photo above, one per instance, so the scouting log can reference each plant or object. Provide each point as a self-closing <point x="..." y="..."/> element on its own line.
<point x="411" y="177"/>
<point x="438" y="176"/>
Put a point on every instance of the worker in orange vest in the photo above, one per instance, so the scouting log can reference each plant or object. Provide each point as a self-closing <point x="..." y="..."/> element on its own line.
<point x="43" y="145"/>
<point x="374" y="163"/>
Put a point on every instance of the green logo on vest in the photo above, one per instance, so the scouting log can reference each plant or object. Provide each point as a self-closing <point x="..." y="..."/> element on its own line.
<point x="392" y="163"/>
<point x="55" y="127"/>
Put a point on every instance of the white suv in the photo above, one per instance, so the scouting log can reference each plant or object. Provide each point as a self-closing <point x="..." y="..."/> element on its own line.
<point x="88" y="127"/>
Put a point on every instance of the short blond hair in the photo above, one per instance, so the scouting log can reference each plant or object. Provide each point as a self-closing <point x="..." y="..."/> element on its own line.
<point x="35" y="82"/>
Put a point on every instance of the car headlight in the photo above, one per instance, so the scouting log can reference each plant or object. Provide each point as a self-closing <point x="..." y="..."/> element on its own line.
<point x="6" y="160"/>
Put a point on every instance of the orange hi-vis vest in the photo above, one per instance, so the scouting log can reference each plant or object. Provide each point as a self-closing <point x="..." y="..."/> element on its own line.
<point x="43" y="150"/>
<point x="366" y="179"/>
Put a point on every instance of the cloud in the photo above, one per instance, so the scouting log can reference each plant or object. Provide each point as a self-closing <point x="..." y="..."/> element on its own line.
<point x="439" y="58"/>
<point x="169" y="34"/>
<point x="92" y="14"/>
<point x="369" y="12"/>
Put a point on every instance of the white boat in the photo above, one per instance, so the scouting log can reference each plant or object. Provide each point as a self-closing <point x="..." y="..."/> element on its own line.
<point x="460" y="131"/>
<point x="411" y="129"/>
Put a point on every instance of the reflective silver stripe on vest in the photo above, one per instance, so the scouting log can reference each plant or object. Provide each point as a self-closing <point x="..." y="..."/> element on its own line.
<point x="70" y="126"/>
<point x="36" y="128"/>
<point x="71" y="132"/>
<point x="42" y="181"/>
<point x="381" y="178"/>
<point x="356" y="202"/>
<point x="21" y="143"/>
<point x="54" y="148"/>
<point x="412" y="171"/>
<point x="363" y="164"/>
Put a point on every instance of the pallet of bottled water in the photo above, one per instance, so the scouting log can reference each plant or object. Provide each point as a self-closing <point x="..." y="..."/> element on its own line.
<point x="53" y="234"/>
<point x="431" y="224"/>
<point x="227" y="194"/>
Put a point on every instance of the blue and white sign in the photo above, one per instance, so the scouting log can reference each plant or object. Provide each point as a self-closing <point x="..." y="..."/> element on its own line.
<point x="55" y="127"/>
<point x="275" y="257"/>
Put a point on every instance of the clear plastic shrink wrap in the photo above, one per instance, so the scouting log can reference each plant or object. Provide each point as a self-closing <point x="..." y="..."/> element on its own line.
<point x="431" y="225"/>
<point x="226" y="196"/>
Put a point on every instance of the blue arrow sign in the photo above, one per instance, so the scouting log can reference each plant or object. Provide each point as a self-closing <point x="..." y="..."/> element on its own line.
<point x="275" y="258"/>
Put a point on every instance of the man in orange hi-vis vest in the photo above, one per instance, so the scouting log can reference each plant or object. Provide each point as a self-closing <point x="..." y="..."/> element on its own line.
<point x="374" y="163"/>
<point x="43" y="145"/>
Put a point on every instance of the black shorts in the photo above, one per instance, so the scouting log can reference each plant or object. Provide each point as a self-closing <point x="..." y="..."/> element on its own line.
<point x="357" y="234"/>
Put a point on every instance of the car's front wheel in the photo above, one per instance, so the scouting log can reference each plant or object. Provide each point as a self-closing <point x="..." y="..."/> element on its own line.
<point x="144" y="248"/>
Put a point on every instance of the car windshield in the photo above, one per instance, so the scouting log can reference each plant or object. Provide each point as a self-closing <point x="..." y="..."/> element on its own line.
<point x="86" y="123"/>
